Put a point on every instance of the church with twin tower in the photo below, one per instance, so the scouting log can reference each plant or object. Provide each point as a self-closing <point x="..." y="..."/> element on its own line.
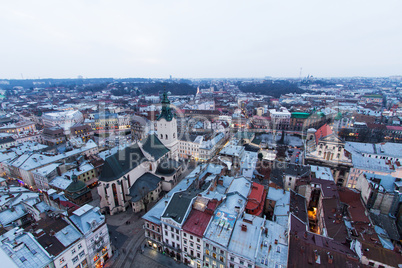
<point x="139" y="174"/>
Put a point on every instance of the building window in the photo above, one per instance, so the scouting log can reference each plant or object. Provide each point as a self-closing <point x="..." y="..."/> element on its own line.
<point x="82" y="254"/>
<point x="214" y="255"/>
<point x="75" y="259"/>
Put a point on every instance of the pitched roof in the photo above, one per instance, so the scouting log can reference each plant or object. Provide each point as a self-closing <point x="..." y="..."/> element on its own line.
<point x="121" y="163"/>
<point x="256" y="196"/>
<point x="179" y="204"/>
<point x="322" y="132"/>
<point x="154" y="147"/>
<point x="197" y="222"/>
<point x="148" y="182"/>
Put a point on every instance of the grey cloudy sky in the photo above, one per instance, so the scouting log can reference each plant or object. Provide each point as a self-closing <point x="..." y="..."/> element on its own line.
<point x="248" y="38"/>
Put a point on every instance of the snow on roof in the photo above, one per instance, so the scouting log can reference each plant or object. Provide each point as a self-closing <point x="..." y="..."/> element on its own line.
<point x="36" y="160"/>
<point x="274" y="249"/>
<point x="369" y="163"/>
<point x="221" y="227"/>
<point x="60" y="182"/>
<point x="86" y="218"/>
<point x="30" y="254"/>
<point x="12" y="214"/>
<point x="47" y="169"/>
<point x="241" y="186"/>
<point x="68" y="235"/>
<point x="275" y="194"/>
<point x="245" y="237"/>
<point x="323" y="173"/>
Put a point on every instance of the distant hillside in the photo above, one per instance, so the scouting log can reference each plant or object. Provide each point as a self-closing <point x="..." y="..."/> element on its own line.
<point x="174" y="88"/>
<point x="273" y="88"/>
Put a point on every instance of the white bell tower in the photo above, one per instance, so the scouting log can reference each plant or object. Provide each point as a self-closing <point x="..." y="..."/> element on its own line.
<point x="167" y="127"/>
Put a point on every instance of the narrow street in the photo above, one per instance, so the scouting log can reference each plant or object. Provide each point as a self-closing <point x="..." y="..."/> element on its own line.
<point x="127" y="238"/>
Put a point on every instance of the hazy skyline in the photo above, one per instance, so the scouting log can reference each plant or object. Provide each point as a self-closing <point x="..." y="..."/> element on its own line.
<point x="195" y="39"/>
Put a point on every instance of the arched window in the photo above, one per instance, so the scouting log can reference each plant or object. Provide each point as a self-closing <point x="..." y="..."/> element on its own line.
<point x="174" y="135"/>
<point x="166" y="136"/>
<point x="116" y="199"/>
<point x="150" y="167"/>
<point x="161" y="136"/>
<point x="122" y="190"/>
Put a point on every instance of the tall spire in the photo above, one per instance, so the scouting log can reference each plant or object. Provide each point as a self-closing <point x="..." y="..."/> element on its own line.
<point x="166" y="111"/>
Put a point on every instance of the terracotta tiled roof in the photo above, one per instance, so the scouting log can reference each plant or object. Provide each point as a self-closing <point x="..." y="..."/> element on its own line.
<point x="322" y="132"/>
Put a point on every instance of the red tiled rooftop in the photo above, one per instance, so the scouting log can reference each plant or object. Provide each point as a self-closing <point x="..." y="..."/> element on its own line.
<point x="257" y="192"/>
<point x="356" y="208"/>
<point x="323" y="131"/>
<point x="197" y="222"/>
<point x="212" y="204"/>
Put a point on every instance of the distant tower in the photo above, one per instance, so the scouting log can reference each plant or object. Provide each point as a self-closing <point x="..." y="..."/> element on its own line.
<point x="167" y="127"/>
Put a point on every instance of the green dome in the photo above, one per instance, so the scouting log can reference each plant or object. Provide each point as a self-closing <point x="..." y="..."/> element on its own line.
<point x="76" y="186"/>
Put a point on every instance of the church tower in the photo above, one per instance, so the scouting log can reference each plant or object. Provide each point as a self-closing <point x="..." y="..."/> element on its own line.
<point x="167" y="127"/>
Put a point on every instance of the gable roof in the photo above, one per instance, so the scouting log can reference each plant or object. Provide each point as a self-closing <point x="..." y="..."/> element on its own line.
<point x="148" y="182"/>
<point x="322" y="132"/>
<point x="154" y="147"/>
<point x="121" y="163"/>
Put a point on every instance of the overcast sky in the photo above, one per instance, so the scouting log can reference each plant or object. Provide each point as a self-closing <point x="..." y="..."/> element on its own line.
<point x="248" y="38"/>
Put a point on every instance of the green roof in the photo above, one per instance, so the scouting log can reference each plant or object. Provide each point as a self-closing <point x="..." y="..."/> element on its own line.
<point x="76" y="186"/>
<point x="300" y="115"/>
<point x="338" y="116"/>
<point x="166" y="111"/>
<point x="121" y="163"/>
<point x="154" y="147"/>
<point x="372" y="96"/>
<point x="148" y="182"/>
